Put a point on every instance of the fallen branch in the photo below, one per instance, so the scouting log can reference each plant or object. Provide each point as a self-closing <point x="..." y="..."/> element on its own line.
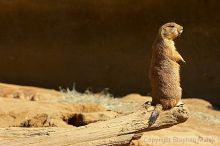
<point x="117" y="131"/>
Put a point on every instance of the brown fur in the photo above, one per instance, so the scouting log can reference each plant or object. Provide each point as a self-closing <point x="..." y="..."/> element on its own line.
<point x="164" y="70"/>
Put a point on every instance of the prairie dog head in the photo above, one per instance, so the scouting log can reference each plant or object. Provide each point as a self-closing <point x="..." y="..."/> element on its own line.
<point x="170" y="30"/>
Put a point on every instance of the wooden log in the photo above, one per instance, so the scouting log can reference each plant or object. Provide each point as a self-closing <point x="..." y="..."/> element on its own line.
<point x="117" y="131"/>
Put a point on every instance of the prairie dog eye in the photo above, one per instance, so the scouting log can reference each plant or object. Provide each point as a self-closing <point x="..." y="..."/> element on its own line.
<point x="172" y="26"/>
<point x="173" y="29"/>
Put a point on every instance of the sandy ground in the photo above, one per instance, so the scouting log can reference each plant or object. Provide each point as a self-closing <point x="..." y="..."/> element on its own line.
<point x="44" y="111"/>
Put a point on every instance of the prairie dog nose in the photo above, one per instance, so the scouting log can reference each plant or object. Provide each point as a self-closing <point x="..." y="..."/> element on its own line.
<point x="181" y="30"/>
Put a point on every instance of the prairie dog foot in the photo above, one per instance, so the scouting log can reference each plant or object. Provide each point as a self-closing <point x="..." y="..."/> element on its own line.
<point x="155" y="114"/>
<point x="147" y="104"/>
<point x="180" y="104"/>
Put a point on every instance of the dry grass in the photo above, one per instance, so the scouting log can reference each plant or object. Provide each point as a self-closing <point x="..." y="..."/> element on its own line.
<point x="103" y="98"/>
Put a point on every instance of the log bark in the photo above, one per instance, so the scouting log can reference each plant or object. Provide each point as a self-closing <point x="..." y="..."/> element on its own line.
<point x="118" y="131"/>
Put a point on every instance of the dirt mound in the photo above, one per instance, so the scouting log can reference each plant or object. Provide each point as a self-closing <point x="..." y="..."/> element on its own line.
<point x="18" y="109"/>
<point x="28" y="93"/>
<point x="23" y="113"/>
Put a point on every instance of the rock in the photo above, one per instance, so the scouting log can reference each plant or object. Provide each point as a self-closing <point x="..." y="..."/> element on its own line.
<point x="197" y="130"/>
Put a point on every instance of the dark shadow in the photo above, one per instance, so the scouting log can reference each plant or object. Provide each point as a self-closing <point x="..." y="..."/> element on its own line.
<point x="76" y="120"/>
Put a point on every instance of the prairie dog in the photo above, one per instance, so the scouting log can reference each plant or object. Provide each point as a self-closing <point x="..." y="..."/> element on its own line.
<point x="164" y="69"/>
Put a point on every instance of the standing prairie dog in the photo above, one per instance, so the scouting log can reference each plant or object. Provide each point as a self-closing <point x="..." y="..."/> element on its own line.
<point x="164" y="69"/>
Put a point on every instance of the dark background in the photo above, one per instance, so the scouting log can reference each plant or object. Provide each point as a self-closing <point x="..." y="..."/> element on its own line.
<point x="107" y="43"/>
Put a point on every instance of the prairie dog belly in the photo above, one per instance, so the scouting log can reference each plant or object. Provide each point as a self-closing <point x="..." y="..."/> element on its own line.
<point x="165" y="80"/>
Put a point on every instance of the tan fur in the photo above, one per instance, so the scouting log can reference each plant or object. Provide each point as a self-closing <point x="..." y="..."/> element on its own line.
<point x="164" y="69"/>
